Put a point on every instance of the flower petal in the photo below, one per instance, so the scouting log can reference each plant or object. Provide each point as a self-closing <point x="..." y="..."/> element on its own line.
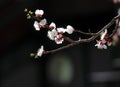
<point x="103" y="34"/>
<point x="61" y="30"/>
<point x="36" y="26"/>
<point x="40" y="51"/>
<point x="52" y="34"/>
<point x="39" y="12"/>
<point x="100" y="46"/>
<point x="43" y="22"/>
<point x="52" y="25"/>
<point x="69" y="29"/>
<point x="59" y="39"/>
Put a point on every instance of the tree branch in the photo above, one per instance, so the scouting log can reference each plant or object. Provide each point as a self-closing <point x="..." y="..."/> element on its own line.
<point x="68" y="39"/>
<point x="94" y="36"/>
<point x="85" y="33"/>
<point x="115" y="29"/>
<point x="69" y="29"/>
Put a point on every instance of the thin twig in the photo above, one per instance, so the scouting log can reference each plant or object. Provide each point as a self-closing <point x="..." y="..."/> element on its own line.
<point x="85" y="33"/>
<point x="36" y="18"/>
<point x="68" y="39"/>
<point x="116" y="27"/>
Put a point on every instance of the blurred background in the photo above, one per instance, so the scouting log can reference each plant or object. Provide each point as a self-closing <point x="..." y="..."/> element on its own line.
<point x="79" y="66"/>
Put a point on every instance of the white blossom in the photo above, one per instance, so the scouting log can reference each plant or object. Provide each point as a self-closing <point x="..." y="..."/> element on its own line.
<point x="69" y="29"/>
<point x="52" y="34"/>
<point x="61" y="30"/>
<point x="39" y="12"/>
<point x="39" y="25"/>
<point x="40" y="51"/>
<point x="103" y="39"/>
<point x="36" y="26"/>
<point x="59" y="39"/>
<point x="100" y="45"/>
<point x="52" y="25"/>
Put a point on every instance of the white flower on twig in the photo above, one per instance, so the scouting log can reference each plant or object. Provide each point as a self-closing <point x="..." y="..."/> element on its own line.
<point x="100" y="45"/>
<point x="39" y="25"/>
<point x="103" y="39"/>
<point x="52" y="25"/>
<point x="59" y="39"/>
<point x="39" y="13"/>
<point x="40" y="51"/>
<point x="52" y="34"/>
<point x="69" y="29"/>
<point x="61" y="30"/>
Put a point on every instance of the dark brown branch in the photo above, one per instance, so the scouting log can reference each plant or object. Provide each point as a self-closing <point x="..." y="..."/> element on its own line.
<point x="109" y="24"/>
<point x="68" y="39"/>
<point x="116" y="27"/>
<point x="85" y="33"/>
<point x="36" y="18"/>
<point x="85" y="40"/>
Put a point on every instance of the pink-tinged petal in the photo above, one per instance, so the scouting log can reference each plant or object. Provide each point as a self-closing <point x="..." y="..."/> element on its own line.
<point x="39" y="13"/>
<point x="106" y="37"/>
<point x="40" y="51"/>
<point x="59" y="39"/>
<point x="69" y="29"/>
<point x="100" y="45"/>
<point x="103" y="41"/>
<point x="36" y="26"/>
<point x="52" y="25"/>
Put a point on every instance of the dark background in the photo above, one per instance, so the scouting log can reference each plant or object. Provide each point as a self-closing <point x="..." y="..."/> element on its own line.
<point x="79" y="66"/>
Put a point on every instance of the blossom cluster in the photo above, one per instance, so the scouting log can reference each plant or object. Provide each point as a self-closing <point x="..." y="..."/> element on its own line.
<point x="54" y="33"/>
<point x="106" y="39"/>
